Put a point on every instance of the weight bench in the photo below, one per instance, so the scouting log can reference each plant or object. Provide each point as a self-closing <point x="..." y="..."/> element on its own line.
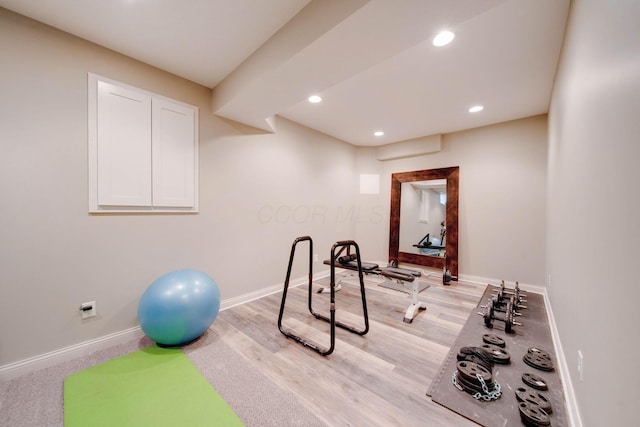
<point x="402" y="276"/>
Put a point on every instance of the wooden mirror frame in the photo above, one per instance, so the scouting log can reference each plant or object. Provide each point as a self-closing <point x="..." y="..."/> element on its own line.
<point x="451" y="242"/>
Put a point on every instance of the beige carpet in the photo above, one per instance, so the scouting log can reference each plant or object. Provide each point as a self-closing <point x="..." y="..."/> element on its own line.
<point x="36" y="399"/>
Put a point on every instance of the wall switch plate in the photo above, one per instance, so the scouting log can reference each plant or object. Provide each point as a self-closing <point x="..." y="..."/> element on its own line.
<point x="315" y="257"/>
<point x="88" y="309"/>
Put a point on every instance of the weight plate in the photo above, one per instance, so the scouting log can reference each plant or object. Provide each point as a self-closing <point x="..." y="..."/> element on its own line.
<point x="532" y="415"/>
<point x="508" y="321"/>
<point x="469" y="370"/>
<point x="525" y="394"/>
<point x="469" y="386"/>
<point x="538" y="362"/>
<point x="493" y="304"/>
<point x="532" y="380"/>
<point x="477" y="355"/>
<point x="478" y="351"/>
<point x="498" y="355"/>
<point x="487" y="318"/>
<point x="539" y="352"/>
<point x="493" y="339"/>
<point x="486" y="363"/>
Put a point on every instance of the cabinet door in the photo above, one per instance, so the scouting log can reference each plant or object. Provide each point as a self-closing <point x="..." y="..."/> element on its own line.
<point x="124" y="146"/>
<point x="174" y="154"/>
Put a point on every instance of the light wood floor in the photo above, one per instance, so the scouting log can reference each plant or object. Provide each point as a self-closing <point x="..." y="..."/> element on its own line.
<point x="379" y="379"/>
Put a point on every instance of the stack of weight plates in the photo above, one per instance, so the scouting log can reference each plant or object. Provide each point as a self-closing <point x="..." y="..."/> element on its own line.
<point x="533" y="416"/>
<point x="534" y="407"/>
<point x="498" y="355"/>
<point x="467" y="378"/>
<point x="538" y="359"/>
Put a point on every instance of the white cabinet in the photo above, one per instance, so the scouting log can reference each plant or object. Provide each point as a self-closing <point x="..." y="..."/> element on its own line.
<point x="173" y="154"/>
<point x="123" y="146"/>
<point x="143" y="150"/>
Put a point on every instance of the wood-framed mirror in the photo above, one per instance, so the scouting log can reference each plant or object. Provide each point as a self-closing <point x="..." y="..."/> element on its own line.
<point x="436" y="251"/>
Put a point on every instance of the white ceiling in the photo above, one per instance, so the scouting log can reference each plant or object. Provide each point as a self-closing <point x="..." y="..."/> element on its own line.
<point x="372" y="61"/>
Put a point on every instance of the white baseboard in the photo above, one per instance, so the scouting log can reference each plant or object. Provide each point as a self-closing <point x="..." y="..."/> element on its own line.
<point x="536" y="289"/>
<point x="51" y="358"/>
<point x="573" y="412"/>
<point x="22" y="367"/>
<point x="251" y="296"/>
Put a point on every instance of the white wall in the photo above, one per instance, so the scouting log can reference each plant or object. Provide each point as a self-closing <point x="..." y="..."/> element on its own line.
<point x="592" y="251"/>
<point x="257" y="193"/>
<point x="502" y="198"/>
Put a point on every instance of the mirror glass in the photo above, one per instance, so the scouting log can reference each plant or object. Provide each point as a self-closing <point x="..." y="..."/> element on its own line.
<point x="424" y="218"/>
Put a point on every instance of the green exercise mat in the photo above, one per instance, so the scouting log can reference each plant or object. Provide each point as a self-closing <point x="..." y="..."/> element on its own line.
<point x="150" y="387"/>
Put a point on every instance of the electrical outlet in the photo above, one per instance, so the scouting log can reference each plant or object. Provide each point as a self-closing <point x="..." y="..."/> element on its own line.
<point x="580" y="365"/>
<point x="88" y="309"/>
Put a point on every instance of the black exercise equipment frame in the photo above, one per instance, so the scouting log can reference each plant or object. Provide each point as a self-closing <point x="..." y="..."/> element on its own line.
<point x="346" y="244"/>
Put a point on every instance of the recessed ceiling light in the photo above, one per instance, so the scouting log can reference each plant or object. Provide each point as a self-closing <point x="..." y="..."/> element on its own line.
<point x="443" y="38"/>
<point x="476" y="108"/>
<point x="314" y="99"/>
<point x="378" y="133"/>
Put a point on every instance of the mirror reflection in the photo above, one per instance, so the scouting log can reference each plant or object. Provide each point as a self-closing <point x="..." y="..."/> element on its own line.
<point x="420" y="219"/>
<point x="423" y="217"/>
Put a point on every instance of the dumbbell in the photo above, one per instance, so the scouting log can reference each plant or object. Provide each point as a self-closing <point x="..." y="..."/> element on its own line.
<point x="505" y="293"/>
<point x="515" y="302"/>
<point x="496" y="305"/>
<point x="516" y="289"/>
<point x="517" y="296"/>
<point x="489" y="316"/>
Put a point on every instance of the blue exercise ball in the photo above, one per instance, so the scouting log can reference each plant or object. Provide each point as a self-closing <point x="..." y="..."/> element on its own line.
<point x="178" y="307"/>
